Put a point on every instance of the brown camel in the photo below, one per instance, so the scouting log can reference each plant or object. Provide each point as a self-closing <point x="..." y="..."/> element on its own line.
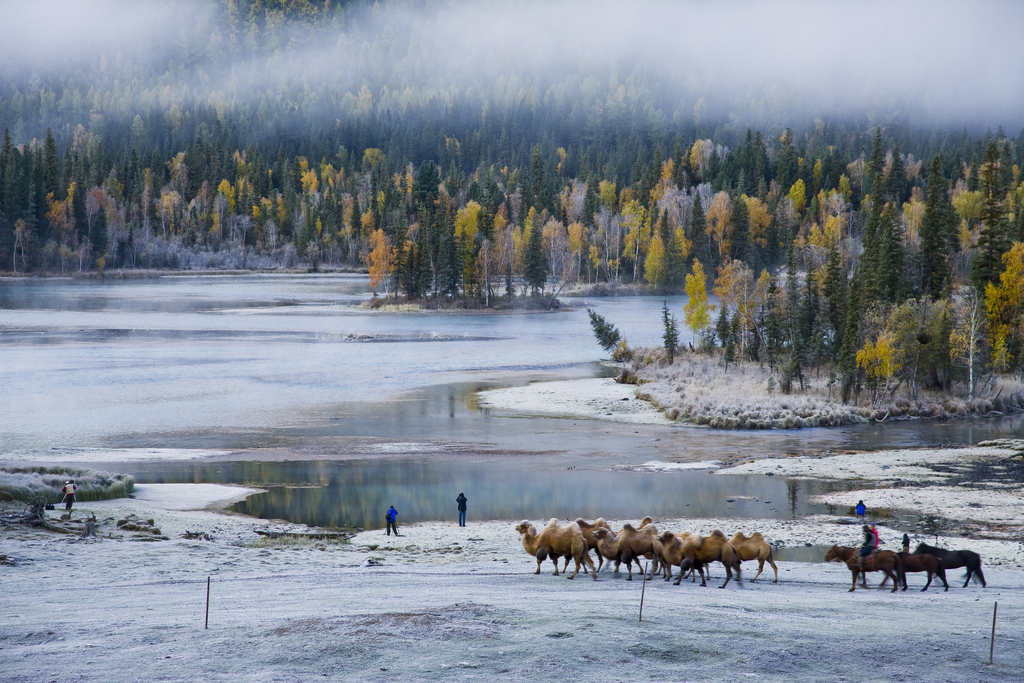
<point x="669" y="548"/>
<point x="628" y="546"/>
<point x="554" y="541"/>
<point x="588" y="530"/>
<point x="703" y="550"/>
<point x="754" y="548"/>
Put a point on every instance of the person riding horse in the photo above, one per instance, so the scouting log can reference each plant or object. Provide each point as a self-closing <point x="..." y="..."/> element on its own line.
<point x="869" y="545"/>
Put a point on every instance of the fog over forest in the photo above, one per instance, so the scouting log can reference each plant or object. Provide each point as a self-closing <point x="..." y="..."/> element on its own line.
<point x="767" y="65"/>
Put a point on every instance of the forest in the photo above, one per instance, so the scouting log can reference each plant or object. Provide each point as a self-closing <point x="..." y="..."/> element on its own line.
<point x="885" y="238"/>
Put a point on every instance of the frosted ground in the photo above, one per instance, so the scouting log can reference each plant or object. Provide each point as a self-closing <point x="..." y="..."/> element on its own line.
<point x="442" y="602"/>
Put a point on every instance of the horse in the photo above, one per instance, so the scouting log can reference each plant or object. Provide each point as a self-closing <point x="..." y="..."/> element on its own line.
<point x="952" y="559"/>
<point x="880" y="561"/>
<point x="922" y="563"/>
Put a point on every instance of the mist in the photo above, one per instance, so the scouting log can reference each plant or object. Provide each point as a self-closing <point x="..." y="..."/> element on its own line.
<point x="949" y="63"/>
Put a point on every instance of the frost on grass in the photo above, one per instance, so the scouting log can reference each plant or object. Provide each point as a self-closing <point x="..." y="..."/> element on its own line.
<point x="699" y="389"/>
<point x="45" y="483"/>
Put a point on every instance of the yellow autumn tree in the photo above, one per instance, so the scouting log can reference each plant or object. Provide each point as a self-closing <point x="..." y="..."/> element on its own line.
<point x="798" y="195"/>
<point x="380" y="261"/>
<point x="1004" y="306"/>
<point x="697" y="311"/>
<point x="228" y="191"/>
<point x="719" y="222"/>
<point x="608" y="193"/>
<point x="466" y="226"/>
<point x="634" y="221"/>
<point x="881" y="362"/>
<point x="654" y="264"/>
<point x="760" y="219"/>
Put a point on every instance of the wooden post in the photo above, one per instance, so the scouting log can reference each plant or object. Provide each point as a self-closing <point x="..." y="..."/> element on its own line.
<point x="992" y="641"/>
<point x="207" y="602"/>
<point x="642" y="590"/>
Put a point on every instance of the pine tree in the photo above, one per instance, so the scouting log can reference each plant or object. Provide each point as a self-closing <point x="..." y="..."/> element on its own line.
<point x="722" y="326"/>
<point x="698" y="220"/>
<point x="993" y="240"/>
<point x="876" y="166"/>
<point x="834" y="291"/>
<point x="773" y="325"/>
<point x="607" y="335"/>
<point x="788" y="164"/>
<point x="893" y="254"/>
<point x="848" y="372"/>
<point x="51" y="174"/>
<point x="896" y="179"/>
<point x="937" y="228"/>
<point x="741" y="246"/>
<point x="670" y="336"/>
<point x="536" y="270"/>
<point x="871" y="259"/>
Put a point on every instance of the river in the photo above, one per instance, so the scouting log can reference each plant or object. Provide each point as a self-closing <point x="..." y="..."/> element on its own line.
<point x="294" y="362"/>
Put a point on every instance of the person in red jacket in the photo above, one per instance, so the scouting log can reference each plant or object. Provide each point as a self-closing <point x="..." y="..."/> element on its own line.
<point x="69" y="494"/>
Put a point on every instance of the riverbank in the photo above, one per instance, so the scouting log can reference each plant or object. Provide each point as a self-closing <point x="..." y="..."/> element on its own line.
<point x="697" y="390"/>
<point x="442" y="602"/>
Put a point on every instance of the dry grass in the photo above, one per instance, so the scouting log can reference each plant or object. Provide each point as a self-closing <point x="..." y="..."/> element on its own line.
<point x="698" y="389"/>
<point x="33" y="483"/>
<point x="298" y="542"/>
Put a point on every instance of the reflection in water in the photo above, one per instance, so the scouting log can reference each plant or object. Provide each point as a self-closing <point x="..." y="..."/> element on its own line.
<point x="356" y="493"/>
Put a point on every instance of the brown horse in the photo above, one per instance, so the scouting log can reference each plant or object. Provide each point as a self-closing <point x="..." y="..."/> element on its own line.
<point x="880" y="561"/>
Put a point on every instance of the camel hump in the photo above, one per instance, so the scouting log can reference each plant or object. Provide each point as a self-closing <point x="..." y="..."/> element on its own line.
<point x="628" y="527"/>
<point x="645" y="521"/>
<point x="718" y="535"/>
<point x="553" y="522"/>
<point x="739" y="537"/>
<point x="756" y="536"/>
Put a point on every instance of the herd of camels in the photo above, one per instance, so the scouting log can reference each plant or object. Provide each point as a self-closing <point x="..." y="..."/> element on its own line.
<point x="689" y="552"/>
<point x="693" y="553"/>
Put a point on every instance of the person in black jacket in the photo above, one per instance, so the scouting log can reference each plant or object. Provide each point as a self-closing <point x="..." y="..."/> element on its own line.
<point x="461" y="500"/>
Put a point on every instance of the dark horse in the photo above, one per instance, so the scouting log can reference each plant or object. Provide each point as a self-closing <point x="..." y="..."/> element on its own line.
<point x="922" y="563"/>
<point x="951" y="559"/>
<point x="880" y="561"/>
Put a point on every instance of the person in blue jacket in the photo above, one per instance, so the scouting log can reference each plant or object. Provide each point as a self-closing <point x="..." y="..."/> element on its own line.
<point x="392" y="517"/>
<point x="861" y="509"/>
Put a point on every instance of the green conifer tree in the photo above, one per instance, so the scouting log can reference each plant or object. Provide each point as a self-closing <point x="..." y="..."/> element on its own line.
<point x="742" y="249"/>
<point x="994" y="239"/>
<point x="670" y="336"/>
<point x="536" y="270"/>
<point x="937" y="233"/>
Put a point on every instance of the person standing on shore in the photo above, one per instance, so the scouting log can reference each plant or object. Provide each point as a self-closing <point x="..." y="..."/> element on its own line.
<point x="69" y="494"/>
<point x="461" y="500"/>
<point x="861" y="510"/>
<point x="392" y="518"/>
<point x="906" y="543"/>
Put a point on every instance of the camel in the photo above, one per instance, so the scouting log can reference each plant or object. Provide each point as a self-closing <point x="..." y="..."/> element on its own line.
<point x="588" y="530"/>
<point x="554" y="541"/>
<point x="702" y="550"/>
<point x="669" y="549"/>
<point x="628" y="546"/>
<point x="754" y="548"/>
